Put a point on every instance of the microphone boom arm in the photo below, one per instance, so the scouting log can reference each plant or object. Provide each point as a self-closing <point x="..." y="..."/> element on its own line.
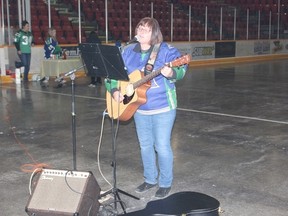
<point x="74" y="70"/>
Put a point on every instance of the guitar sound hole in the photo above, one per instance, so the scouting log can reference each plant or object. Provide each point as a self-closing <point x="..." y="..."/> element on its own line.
<point x="127" y="99"/>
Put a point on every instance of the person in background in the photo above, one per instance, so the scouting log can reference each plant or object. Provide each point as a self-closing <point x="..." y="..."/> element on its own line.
<point x="93" y="38"/>
<point x="51" y="46"/>
<point x="118" y="43"/>
<point x="51" y="49"/>
<point x="154" y="119"/>
<point x="23" y="41"/>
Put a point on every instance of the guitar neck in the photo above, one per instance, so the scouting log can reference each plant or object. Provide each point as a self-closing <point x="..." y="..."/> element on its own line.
<point x="146" y="78"/>
<point x="176" y="63"/>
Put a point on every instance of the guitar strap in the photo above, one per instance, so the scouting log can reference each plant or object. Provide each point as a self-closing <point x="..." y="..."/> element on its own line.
<point x="153" y="55"/>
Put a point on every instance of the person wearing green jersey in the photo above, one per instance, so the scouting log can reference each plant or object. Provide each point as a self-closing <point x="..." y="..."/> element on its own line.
<point x="23" y="41"/>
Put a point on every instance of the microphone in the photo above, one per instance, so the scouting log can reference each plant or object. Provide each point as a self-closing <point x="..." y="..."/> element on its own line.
<point x="74" y="70"/>
<point x="70" y="72"/>
<point x="135" y="39"/>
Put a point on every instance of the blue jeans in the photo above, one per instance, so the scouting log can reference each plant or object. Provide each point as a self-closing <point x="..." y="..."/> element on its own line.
<point x="154" y="134"/>
<point x="25" y="60"/>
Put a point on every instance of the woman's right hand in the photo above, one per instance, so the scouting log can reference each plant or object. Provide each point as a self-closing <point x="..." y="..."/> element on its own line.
<point x="117" y="96"/>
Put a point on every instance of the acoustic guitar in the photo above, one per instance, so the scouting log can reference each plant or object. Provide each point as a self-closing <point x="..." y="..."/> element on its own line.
<point x="134" y="91"/>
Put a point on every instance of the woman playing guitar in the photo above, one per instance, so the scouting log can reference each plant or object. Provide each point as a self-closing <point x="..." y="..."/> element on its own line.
<point x="156" y="101"/>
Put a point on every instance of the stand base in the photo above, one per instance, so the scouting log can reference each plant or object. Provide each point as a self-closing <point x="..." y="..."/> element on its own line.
<point x="115" y="192"/>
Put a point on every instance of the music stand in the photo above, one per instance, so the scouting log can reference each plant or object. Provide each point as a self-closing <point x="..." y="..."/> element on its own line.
<point x="106" y="61"/>
<point x="103" y="61"/>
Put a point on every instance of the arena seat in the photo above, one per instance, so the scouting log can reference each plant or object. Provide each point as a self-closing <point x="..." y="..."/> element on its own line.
<point x="94" y="12"/>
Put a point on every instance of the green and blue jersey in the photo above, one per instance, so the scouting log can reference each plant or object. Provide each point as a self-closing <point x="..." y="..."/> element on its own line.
<point x="23" y="41"/>
<point x="162" y="93"/>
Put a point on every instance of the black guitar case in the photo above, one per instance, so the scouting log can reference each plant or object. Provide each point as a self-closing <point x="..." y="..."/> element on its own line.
<point x="180" y="204"/>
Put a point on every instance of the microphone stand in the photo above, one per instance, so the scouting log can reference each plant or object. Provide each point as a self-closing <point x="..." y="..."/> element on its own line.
<point x="72" y="76"/>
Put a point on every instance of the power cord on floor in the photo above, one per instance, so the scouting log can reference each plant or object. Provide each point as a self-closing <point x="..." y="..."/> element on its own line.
<point x="98" y="150"/>
<point x="24" y="167"/>
<point x="108" y="208"/>
<point x="36" y="167"/>
<point x="27" y="168"/>
<point x="37" y="170"/>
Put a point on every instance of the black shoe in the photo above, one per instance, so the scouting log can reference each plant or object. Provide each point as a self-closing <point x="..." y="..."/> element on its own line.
<point x="162" y="192"/>
<point x="18" y="64"/>
<point x="60" y="85"/>
<point x="144" y="187"/>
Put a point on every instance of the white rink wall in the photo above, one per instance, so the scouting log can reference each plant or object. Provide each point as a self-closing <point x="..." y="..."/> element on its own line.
<point x="200" y="51"/>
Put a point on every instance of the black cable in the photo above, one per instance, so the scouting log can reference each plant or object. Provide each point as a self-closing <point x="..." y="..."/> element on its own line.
<point x="83" y="194"/>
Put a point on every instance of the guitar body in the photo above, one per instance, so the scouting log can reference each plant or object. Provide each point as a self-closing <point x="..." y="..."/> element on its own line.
<point x="138" y="86"/>
<point x="125" y="110"/>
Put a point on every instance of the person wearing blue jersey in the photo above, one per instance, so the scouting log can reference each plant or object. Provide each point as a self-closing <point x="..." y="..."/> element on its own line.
<point x="51" y="46"/>
<point x="52" y="50"/>
<point x="154" y="119"/>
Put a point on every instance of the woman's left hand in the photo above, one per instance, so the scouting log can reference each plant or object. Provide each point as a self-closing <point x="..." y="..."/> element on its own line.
<point x="167" y="71"/>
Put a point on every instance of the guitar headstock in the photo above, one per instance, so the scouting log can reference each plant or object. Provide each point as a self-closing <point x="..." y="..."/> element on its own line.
<point x="181" y="61"/>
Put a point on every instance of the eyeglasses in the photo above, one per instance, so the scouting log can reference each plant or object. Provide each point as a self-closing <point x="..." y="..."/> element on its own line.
<point x="144" y="30"/>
